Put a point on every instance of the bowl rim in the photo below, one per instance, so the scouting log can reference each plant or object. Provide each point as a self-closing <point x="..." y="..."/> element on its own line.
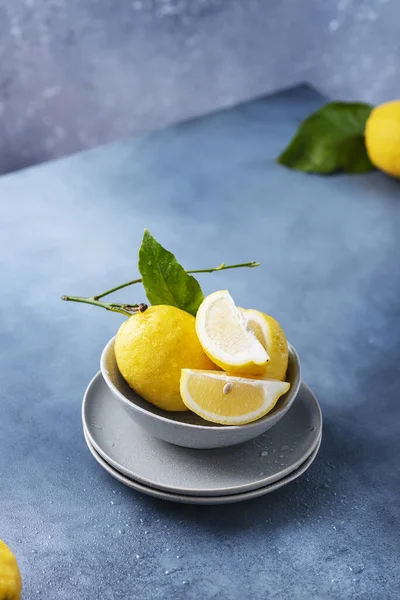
<point x="293" y="391"/>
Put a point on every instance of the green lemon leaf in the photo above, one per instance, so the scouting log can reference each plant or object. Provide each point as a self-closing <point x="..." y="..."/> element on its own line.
<point x="165" y="280"/>
<point x="331" y="140"/>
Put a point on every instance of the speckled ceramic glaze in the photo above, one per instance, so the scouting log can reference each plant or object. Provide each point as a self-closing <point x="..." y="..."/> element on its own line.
<point x="140" y="456"/>
<point x="186" y="428"/>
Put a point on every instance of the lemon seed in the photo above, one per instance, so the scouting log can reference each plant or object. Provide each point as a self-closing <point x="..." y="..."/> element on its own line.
<point x="227" y="388"/>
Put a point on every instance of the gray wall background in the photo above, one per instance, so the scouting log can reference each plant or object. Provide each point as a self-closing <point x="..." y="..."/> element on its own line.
<point x="77" y="73"/>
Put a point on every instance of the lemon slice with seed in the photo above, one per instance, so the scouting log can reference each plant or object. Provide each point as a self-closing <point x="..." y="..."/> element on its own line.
<point x="225" y="336"/>
<point x="271" y="335"/>
<point x="229" y="400"/>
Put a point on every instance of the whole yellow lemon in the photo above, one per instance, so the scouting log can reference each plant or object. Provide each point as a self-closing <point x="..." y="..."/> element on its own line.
<point x="10" y="578"/>
<point x="152" y="347"/>
<point x="382" y="137"/>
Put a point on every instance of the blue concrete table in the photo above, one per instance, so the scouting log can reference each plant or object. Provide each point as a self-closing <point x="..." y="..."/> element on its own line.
<point x="211" y="192"/>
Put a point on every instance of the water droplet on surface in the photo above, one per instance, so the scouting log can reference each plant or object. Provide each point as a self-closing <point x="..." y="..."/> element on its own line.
<point x="285" y="448"/>
<point x="185" y="582"/>
<point x="166" y="572"/>
<point x="359" y="569"/>
<point x="121" y="531"/>
<point x="264" y="453"/>
<point x="281" y="456"/>
<point x="137" y="555"/>
<point x="333" y="25"/>
<point x="34" y="551"/>
<point x="312" y="428"/>
<point x="262" y="473"/>
<point x="146" y="531"/>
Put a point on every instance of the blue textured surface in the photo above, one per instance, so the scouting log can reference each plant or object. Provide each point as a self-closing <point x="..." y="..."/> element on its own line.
<point x="76" y="74"/>
<point x="210" y="191"/>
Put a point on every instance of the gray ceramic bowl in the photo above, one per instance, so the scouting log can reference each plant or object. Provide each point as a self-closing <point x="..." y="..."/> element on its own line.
<point x="186" y="428"/>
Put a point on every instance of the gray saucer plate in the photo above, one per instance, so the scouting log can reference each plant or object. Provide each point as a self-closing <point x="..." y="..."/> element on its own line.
<point x="218" y="472"/>
<point x="228" y="499"/>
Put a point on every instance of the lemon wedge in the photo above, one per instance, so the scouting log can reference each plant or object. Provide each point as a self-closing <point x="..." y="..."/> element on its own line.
<point x="225" y="336"/>
<point x="227" y="399"/>
<point x="272" y="337"/>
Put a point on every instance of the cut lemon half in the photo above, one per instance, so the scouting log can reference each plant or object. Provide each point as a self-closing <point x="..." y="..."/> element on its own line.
<point x="271" y="335"/>
<point x="225" y="336"/>
<point x="229" y="400"/>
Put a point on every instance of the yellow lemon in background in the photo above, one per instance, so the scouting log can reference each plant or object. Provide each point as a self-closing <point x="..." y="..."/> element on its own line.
<point x="382" y="137"/>
<point x="271" y="335"/>
<point x="10" y="578"/>
<point x="151" y="349"/>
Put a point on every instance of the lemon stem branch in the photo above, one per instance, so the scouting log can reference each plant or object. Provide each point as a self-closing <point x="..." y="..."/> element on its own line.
<point x="129" y="309"/>
<point x="222" y="267"/>
<point x="124" y="309"/>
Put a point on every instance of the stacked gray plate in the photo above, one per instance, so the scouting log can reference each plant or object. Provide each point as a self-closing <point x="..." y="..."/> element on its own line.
<point x="217" y="476"/>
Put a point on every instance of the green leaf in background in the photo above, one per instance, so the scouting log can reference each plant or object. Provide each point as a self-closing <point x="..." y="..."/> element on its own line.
<point x="165" y="280"/>
<point x="331" y="140"/>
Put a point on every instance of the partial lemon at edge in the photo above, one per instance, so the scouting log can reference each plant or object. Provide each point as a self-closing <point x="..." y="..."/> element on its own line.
<point x="10" y="578"/>
<point x="382" y="137"/>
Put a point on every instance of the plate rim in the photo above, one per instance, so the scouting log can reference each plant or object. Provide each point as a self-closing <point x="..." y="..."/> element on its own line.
<point x="98" y="379"/>
<point x="204" y="500"/>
